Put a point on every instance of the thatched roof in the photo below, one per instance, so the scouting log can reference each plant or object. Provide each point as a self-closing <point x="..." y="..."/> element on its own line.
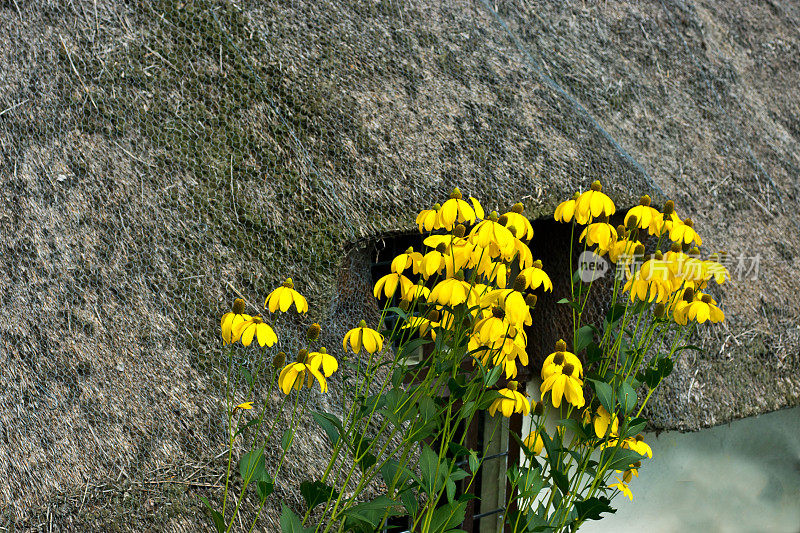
<point x="159" y="158"/>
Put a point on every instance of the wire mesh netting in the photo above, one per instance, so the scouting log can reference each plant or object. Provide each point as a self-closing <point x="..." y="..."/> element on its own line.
<point x="162" y="158"/>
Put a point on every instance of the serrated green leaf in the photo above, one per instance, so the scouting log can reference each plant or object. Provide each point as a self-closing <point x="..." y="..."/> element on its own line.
<point x="583" y="337"/>
<point x="592" y="508"/>
<point x="290" y="522"/>
<point x="448" y="517"/>
<point x="251" y="465"/>
<point x="216" y="517"/>
<point x="316" y="493"/>
<point x="619" y="458"/>
<point x="372" y="512"/>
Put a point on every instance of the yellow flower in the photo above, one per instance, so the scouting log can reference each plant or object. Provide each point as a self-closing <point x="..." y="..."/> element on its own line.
<point x="566" y="209"/>
<point x="294" y="375"/>
<point x="430" y="219"/>
<point x="284" y="296"/>
<point x="521" y="225"/>
<point x="564" y="382"/>
<point x="653" y="281"/>
<point x="512" y="303"/>
<point x="511" y="402"/>
<point x="455" y="210"/>
<point x="524" y="254"/>
<point x="232" y="319"/>
<point x="450" y="292"/>
<point x="418" y="291"/>
<point x="554" y="362"/>
<point x="623" y="249"/>
<point x="434" y="262"/>
<point x="492" y="328"/>
<point x="717" y="271"/>
<point x="683" y="232"/>
<point x="409" y="259"/>
<point x="701" y="308"/>
<point x="623" y="488"/>
<point x="362" y="336"/>
<point x="602" y="234"/>
<point x="592" y="204"/>
<point x="638" y="445"/>
<point x="323" y="360"/>
<point x="245" y="405"/>
<point x="534" y="442"/>
<point x="603" y="420"/>
<point x="389" y="284"/>
<point x="255" y="327"/>
<point x="646" y="217"/>
<point x="489" y="232"/>
<point x="535" y="277"/>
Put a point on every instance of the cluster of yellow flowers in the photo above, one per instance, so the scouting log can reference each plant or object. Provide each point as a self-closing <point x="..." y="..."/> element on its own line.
<point x="469" y="262"/>
<point x="675" y="278"/>
<point x="237" y="326"/>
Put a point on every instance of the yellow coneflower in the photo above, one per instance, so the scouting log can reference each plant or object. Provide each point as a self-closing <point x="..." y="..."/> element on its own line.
<point x="490" y="232"/>
<point x="245" y="406"/>
<point x="493" y="327"/>
<point x="602" y="234"/>
<point x="565" y="210"/>
<point x="523" y="253"/>
<point x="558" y="359"/>
<point x="408" y="259"/>
<point x="535" y="277"/>
<point x="456" y="210"/>
<point x="564" y="382"/>
<point x="363" y="337"/>
<point x="534" y="443"/>
<point x="452" y="292"/>
<point x="702" y="307"/>
<point x="294" y="376"/>
<point x="623" y="488"/>
<point x="512" y="401"/>
<point x="623" y="249"/>
<point x="284" y="296"/>
<point x="430" y="219"/>
<point x="232" y="319"/>
<point x="323" y="360"/>
<point x="255" y="327"/>
<point x="515" y="219"/>
<point x="513" y="304"/>
<point x="684" y="232"/>
<point x="592" y="204"/>
<point x="435" y="261"/>
<point x="603" y="420"/>
<point x="417" y="292"/>
<point x="389" y="283"/>
<point x="645" y="216"/>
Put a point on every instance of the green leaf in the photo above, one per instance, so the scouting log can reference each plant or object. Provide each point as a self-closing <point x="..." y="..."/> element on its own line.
<point x="248" y="377"/>
<point x="410" y="502"/>
<point x="251" y="465"/>
<point x="216" y="517"/>
<point x="620" y="458"/>
<point x="593" y="353"/>
<point x="665" y="367"/>
<point x="330" y="424"/>
<point x="627" y="397"/>
<point x="427" y="408"/>
<point x="287" y="438"/>
<point x="389" y="471"/>
<point x="372" y="511"/>
<point x="474" y="463"/>
<point x="494" y="374"/>
<point x="633" y="427"/>
<point x="583" y="337"/>
<point x="605" y="394"/>
<point x="316" y="493"/>
<point x="614" y="314"/>
<point x="592" y="508"/>
<point x="457" y="389"/>
<point x="291" y="523"/>
<point x="430" y="470"/>
<point x="447" y="517"/>
<point x="265" y="485"/>
<point x="530" y="482"/>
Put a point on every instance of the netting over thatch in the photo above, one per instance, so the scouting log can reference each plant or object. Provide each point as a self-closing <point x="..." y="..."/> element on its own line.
<point x="160" y="158"/>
